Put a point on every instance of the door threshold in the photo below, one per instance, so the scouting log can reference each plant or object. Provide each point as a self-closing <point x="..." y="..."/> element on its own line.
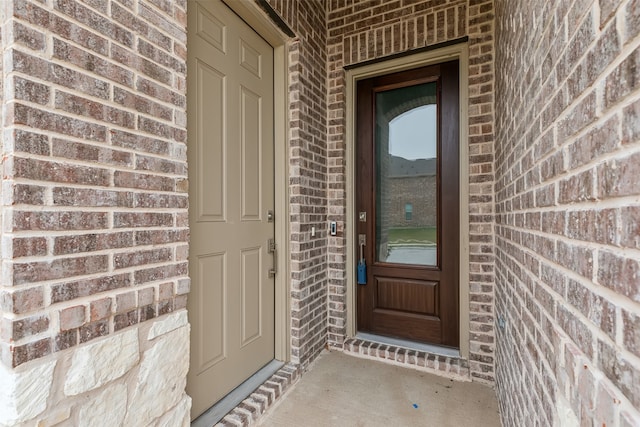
<point x="237" y="395"/>
<point x="411" y="345"/>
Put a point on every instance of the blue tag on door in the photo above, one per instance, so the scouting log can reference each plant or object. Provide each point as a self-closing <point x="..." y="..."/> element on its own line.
<point x="362" y="273"/>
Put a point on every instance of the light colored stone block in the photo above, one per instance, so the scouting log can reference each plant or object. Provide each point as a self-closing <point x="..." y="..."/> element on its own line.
<point x="24" y="392"/>
<point x="170" y="323"/>
<point x="178" y="416"/>
<point x="162" y="378"/>
<point x="105" y="410"/>
<point x="99" y="363"/>
<point x="55" y="417"/>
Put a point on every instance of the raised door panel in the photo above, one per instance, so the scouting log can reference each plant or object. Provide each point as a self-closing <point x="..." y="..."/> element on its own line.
<point x="210" y="144"/>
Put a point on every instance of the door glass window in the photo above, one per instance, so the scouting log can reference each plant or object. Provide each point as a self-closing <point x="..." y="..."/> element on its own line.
<point x="406" y="139"/>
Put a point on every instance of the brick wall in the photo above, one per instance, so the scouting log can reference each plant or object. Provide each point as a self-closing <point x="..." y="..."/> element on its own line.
<point x="567" y="212"/>
<point x="365" y="30"/>
<point x="94" y="204"/>
<point x="307" y="175"/>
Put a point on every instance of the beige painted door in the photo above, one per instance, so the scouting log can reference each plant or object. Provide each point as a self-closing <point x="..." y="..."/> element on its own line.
<point x="231" y="188"/>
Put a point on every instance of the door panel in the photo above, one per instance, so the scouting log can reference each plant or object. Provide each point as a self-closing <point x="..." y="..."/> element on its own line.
<point x="231" y="170"/>
<point x="408" y="186"/>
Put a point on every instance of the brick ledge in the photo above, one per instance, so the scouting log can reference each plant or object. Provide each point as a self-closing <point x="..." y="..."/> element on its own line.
<point x="449" y="367"/>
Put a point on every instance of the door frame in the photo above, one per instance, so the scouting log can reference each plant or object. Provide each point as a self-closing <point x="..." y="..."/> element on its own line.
<point x="257" y="19"/>
<point x="353" y="75"/>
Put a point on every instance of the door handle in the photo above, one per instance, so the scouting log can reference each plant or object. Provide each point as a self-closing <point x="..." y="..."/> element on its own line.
<point x="362" y="265"/>
<point x="272" y="249"/>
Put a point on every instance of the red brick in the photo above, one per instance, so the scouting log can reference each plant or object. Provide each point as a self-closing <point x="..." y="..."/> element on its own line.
<point x="576" y="258"/>
<point x="125" y="302"/>
<point x="160" y="273"/>
<point x="91" y="153"/>
<point x="582" y="115"/>
<point x="64" y="245"/>
<point x="165" y="291"/>
<point x="93" y="330"/>
<point x="31" y="272"/>
<point x="71" y="290"/>
<point x="160" y="56"/>
<point x="631" y="331"/>
<point x="127" y="58"/>
<point x="619" y="177"/>
<point x="161" y="130"/>
<point x="75" y="33"/>
<point x="131" y="259"/>
<point x="146" y="296"/>
<point x="129" y="20"/>
<point x="31" y="351"/>
<point x="100" y="309"/>
<point x="82" y="107"/>
<point x="57" y="172"/>
<point x="65" y="196"/>
<point x="622" y="372"/>
<point x="28" y="37"/>
<point x="95" y="21"/>
<point x="27" y="90"/>
<point x="157" y="237"/>
<point x="155" y="164"/>
<point x="65" y="340"/>
<point x="47" y="121"/>
<point x="29" y="246"/>
<point x="579" y="332"/>
<point x="57" y="74"/>
<point x="32" y="143"/>
<point x="27" y="327"/>
<point x="631" y="121"/>
<point x="577" y="188"/>
<point x="622" y="80"/>
<point x="619" y="274"/>
<point x="72" y="317"/>
<point x="632" y="15"/>
<point x="160" y="93"/>
<point x="161" y="201"/>
<point x="124" y="320"/>
<point x="601" y="140"/>
<point x="22" y="301"/>
<point x="140" y="143"/>
<point x="594" y="307"/>
<point x="28" y="195"/>
<point x="146" y="219"/>
<point x="61" y="221"/>
<point x="143" y="181"/>
<point x="142" y="104"/>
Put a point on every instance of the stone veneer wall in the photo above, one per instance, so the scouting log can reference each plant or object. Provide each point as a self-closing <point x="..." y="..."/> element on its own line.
<point x="364" y="30"/>
<point x="94" y="213"/>
<point x="307" y="175"/>
<point x="568" y="212"/>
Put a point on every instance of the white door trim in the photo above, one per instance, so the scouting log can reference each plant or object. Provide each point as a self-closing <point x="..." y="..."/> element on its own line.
<point x="257" y="19"/>
<point x="457" y="51"/>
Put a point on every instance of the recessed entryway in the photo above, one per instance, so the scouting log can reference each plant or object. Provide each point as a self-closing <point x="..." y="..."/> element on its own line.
<point x="350" y="391"/>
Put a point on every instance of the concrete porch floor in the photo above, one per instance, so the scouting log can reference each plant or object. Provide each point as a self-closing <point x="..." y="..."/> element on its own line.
<point x="342" y="390"/>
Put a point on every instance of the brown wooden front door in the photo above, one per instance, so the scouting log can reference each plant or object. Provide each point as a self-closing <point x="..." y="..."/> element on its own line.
<point x="407" y="207"/>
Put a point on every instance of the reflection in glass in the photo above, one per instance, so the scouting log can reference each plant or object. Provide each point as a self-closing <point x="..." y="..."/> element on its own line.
<point x="406" y="138"/>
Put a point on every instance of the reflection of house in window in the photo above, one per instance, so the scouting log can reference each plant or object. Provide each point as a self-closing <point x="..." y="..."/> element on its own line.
<point x="408" y="211"/>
